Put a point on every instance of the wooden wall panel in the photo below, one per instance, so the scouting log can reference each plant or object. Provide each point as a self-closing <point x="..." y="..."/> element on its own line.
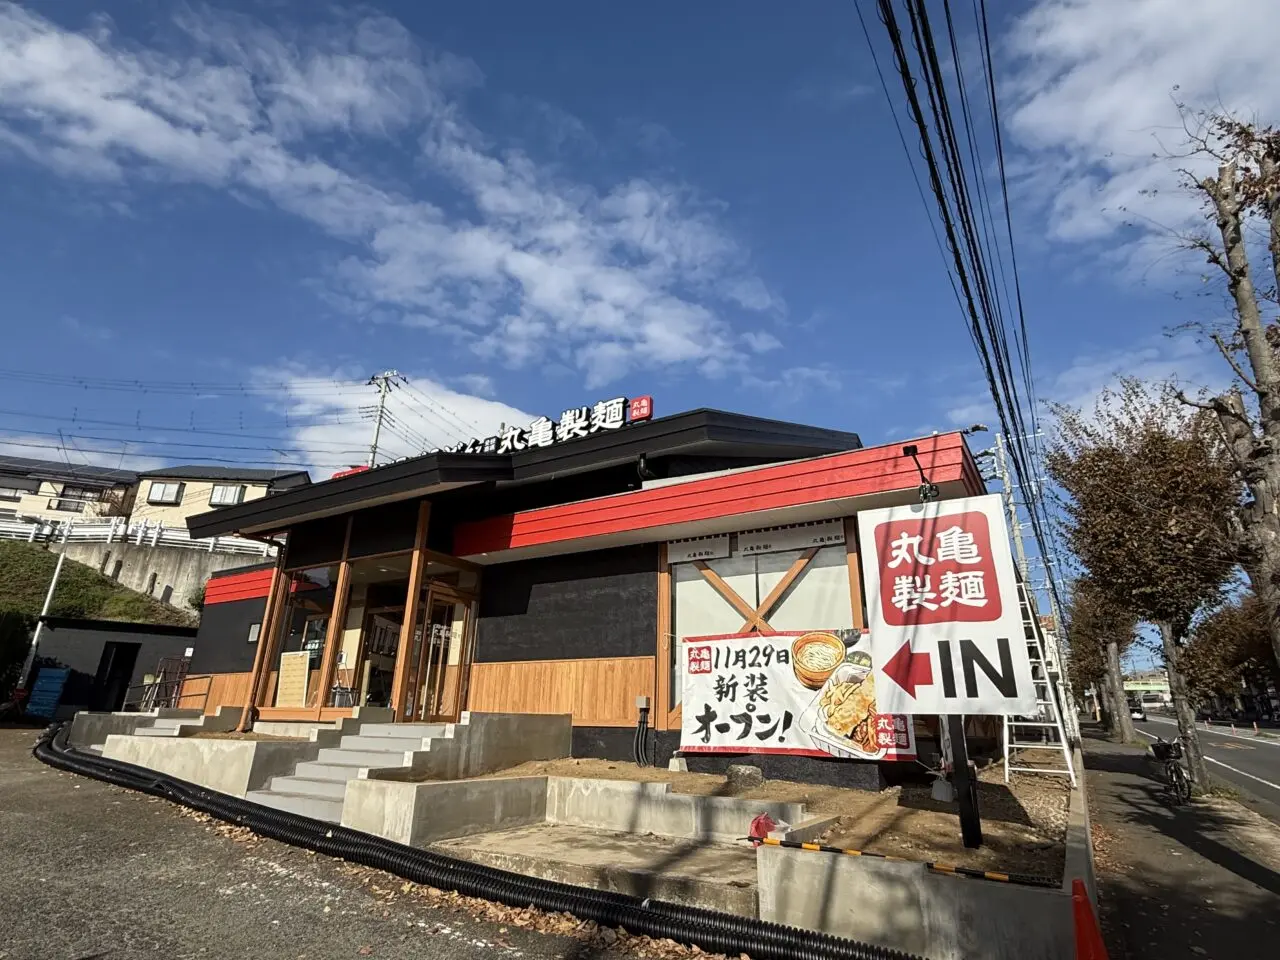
<point x="597" y="692"/>
<point x="224" y="690"/>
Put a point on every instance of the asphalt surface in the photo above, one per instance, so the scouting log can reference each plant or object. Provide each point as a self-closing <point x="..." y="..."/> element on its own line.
<point x="1249" y="764"/>
<point x="94" y="871"/>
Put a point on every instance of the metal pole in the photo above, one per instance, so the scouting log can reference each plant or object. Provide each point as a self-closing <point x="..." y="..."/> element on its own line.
<point x="1015" y="526"/>
<point x="44" y="611"/>
<point x="383" y="380"/>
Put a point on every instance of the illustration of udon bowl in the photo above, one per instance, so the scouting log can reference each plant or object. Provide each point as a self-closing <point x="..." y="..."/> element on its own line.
<point x="814" y="656"/>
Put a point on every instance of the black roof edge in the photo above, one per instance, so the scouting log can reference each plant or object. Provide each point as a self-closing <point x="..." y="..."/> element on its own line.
<point x="337" y="494"/>
<point x="688" y="428"/>
<point x="117" y="626"/>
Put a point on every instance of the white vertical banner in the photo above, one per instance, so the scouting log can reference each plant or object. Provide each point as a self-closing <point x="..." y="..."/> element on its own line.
<point x="943" y="609"/>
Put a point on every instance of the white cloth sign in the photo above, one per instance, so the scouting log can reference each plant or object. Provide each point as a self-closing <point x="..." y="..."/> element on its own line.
<point x="805" y="693"/>
<point x="944" y="612"/>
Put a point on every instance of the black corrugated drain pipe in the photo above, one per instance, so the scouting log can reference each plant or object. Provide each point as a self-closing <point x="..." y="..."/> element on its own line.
<point x="708" y="929"/>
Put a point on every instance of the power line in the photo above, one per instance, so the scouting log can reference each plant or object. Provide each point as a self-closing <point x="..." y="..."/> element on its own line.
<point x="442" y="414"/>
<point x="980" y="298"/>
<point x="26" y="444"/>
<point x="88" y="421"/>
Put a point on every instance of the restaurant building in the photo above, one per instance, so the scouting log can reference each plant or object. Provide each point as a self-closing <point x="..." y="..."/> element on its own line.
<point x="552" y="570"/>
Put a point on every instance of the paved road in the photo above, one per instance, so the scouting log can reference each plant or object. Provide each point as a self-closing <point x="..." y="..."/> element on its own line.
<point x="1252" y="765"/>
<point x="94" y="871"/>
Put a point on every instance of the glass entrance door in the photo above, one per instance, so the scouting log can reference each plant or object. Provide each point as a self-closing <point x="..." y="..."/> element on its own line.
<point x="442" y="651"/>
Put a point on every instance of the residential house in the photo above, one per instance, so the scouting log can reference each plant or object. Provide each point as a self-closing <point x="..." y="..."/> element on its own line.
<point x="50" y="490"/>
<point x="172" y="494"/>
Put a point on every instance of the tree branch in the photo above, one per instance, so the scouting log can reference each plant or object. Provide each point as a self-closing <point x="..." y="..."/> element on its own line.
<point x="1222" y="348"/>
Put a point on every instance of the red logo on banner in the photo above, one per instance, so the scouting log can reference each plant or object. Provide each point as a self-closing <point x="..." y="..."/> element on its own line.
<point x="937" y="570"/>
<point x="699" y="660"/>
<point x="641" y="409"/>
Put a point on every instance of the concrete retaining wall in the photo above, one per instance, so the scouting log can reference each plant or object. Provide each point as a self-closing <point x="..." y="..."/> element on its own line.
<point x="421" y="813"/>
<point x="482" y="743"/>
<point x="180" y="572"/>
<point x="228" y="766"/>
<point x="907" y="907"/>
<point x="652" y="808"/>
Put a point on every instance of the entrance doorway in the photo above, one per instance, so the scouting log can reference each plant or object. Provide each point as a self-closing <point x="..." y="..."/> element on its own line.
<point x="439" y="666"/>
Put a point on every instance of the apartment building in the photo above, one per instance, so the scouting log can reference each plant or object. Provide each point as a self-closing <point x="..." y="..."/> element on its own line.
<point x="172" y="494"/>
<point x="47" y="490"/>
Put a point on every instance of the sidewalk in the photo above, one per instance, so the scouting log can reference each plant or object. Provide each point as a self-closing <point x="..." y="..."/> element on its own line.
<point x="1200" y="881"/>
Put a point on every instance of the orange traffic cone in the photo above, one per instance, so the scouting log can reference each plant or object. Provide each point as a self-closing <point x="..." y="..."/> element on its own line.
<point x="1089" y="945"/>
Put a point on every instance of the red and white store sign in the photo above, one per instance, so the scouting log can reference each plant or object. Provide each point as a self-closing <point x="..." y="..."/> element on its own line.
<point x="942" y="597"/>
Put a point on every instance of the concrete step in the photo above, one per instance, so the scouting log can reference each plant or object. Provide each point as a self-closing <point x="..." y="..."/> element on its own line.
<point x="354" y="741"/>
<point x="396" y="730"/>
<point x="317" y="807"/>
<point x="363" y="758"/>
<point x="305" y="786"/>
<point x="156" y="732"/>
<point x="172" y="723"/>
<point x="340" y="772"/>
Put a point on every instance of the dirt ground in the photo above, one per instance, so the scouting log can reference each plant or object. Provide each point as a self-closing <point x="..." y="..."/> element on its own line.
<point x="1023" y="823"/>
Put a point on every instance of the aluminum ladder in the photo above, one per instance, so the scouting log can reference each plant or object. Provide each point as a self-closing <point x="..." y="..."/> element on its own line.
<point x="1043" y="732"/>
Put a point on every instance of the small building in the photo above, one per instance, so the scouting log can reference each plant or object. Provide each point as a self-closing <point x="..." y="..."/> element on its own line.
<point x="170" y="495"/>
<point x="46" y="490"/>
<point x="108" y="660"/>
<point x="553" y="570"/>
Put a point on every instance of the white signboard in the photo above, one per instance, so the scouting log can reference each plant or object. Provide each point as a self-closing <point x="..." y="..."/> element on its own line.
<point x="942" y="599"/>
<point x="791" y="538"/>
<point x="804" y="693"/>
<point x="703" y="548"/>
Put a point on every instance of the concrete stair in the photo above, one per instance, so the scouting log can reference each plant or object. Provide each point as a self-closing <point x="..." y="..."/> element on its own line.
<point x="168" y="726"/>
<point x="316" y="788"/>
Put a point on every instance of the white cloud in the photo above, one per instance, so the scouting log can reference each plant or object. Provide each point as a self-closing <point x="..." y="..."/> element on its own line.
<point x="422" y="415"/>
<point x="1183" y="359"/>
<point x="539" y="269"/>
<point x="1094" y="84"/>
<point x="761" y="341"/>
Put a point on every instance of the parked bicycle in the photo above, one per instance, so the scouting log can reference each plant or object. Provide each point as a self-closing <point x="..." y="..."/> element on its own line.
<point x="1176" y="781"/>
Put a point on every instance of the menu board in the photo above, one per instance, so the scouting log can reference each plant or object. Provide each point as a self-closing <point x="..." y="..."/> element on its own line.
<point x="291" y="687"/>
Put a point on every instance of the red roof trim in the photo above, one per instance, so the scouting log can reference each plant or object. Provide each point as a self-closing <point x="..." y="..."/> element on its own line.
<point x="857" y="473"/>
<point x="238" y="586"/>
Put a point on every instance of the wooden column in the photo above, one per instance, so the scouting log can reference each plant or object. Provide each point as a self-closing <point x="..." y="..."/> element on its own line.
<point x="266" y="634"/>
<point x="400" y="678"/>
<point x="855" y="572"/>
<point x="662" y="682"/>
<point x="337" y="623"/>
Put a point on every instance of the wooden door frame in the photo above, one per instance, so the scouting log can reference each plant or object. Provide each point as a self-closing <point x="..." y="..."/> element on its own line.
<point x="468" y="600"/>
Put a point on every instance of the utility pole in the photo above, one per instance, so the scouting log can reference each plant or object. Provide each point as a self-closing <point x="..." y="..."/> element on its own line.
<point x="27" y="664"/>
<point x="383" y="382"/>
<point x="1015" y="525"/>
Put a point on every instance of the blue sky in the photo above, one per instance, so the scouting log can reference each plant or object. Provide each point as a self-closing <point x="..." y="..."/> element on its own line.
<point x="530" y="207"/>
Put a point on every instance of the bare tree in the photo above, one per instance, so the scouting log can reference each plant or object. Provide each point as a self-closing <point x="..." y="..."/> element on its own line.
<point x="1244" y="194"/>
<point x="1149" y="506"/>
<point x="1102" y="630"/>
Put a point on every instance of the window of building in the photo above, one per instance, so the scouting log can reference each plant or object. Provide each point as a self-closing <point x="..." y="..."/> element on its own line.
<point x="254" y="629"/>
<point x="13" y="488"/>
<point x="226" y="494"/>
<point x="72" y="499"/>
<point x="165" y="492"/>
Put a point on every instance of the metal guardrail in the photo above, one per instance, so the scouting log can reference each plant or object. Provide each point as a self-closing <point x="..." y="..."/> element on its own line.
<point x="120" y="530"/>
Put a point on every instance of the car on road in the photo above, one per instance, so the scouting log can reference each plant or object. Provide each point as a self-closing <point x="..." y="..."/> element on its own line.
<point x="1136" y="710"/>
